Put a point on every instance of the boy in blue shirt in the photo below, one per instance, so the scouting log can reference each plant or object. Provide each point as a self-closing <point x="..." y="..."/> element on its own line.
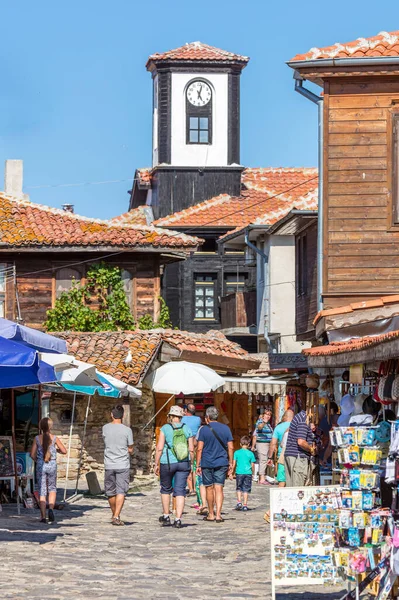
<point x="243" y="465"/>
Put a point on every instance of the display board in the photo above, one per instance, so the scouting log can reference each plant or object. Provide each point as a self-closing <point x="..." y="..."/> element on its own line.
<point x="6" y="457"/>
<point x="302" y="526"/>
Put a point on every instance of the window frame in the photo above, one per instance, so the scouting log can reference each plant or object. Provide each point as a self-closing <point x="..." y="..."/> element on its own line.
<point x="199" y="112"/>
<point x="199" y="284"/>
<point x="302" y="265"/>
<point x="59" y="268"/>
<point x="393" y="168"/>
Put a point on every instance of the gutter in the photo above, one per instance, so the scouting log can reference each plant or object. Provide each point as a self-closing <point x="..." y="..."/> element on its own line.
<point x="343" y="62"/>
<point x="265" y="268"/>
<point x="320" y="105"/>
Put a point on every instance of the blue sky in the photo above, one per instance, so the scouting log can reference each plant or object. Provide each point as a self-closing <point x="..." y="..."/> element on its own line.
<point x="75" y="101"/>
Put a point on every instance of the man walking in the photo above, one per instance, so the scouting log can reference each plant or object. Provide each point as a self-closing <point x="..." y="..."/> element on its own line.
<point x="215" y="451"/>
<point x="299" y="449"/>
<point x="118" y="446"/>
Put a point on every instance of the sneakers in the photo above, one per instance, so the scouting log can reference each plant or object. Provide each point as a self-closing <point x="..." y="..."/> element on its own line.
<point x="177" y="523"/>
<point x="51" y="516"/>
<point x="164" y="521"/>
<point x="245" y="508"/>
<point x="239" y="506"/>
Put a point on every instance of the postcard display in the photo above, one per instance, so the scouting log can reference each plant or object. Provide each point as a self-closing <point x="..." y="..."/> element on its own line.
<point x="364" y="528"/>
<point x="303" y="523"/>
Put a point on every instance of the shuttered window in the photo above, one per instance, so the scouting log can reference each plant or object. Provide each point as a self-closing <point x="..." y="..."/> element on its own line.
<point x="302" y="265"/>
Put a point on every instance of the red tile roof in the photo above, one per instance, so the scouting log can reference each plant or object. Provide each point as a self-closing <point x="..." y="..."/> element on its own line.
<point x="136" y="216"/>
<point x="269" y="195"/>
<point x="349" y="308"/>
<point x="24" y="224"/>
<point x="383" y="44"/>
<point x="108" y="350"/>
<point x="351" y="345"/>
<point x="197" y="51"/>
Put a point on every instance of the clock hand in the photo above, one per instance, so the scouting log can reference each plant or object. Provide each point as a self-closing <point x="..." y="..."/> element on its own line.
<point x="199" y="93"/>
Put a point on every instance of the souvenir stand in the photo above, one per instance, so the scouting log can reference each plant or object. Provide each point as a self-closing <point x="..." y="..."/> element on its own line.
<point x="365" y="442"/>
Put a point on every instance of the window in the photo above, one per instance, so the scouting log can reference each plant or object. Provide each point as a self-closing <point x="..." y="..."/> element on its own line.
<point x="3" y="272"/>
<point x="199" y="130"/>
<point x="302" y="265"/>
<point x="205" y="296"/>
<point x="234" y="282"/>
<point x="64" y="279"/>
<point x="199" y="99"/>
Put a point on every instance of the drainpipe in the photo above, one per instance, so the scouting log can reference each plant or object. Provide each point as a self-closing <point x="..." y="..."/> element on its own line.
<point x="265" y="267"/>
<point x="319" y="101"/>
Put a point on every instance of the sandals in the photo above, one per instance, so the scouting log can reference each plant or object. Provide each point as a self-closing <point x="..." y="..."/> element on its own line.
<point x="221" y="520"/>
<point x="209" y="520"/>
<point x="116" y="521"/>
<point x="203" y="511"/>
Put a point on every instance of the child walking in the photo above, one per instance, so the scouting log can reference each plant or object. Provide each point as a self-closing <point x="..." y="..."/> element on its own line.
<point x="244" y="466"/>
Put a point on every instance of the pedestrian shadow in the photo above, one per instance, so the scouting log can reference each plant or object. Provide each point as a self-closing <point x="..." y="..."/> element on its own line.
<point x="311" y="595"/>
<point x="36" y="537"/>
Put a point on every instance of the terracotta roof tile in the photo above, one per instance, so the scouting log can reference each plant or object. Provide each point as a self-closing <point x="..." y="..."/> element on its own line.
<point x="137" y="216"/>
<point x="24" y="224"/>
<point x="351" y="345"/>
<point x="197" y="51"/>
<point x="267" y="196"/>
<point x="348" y="308"/>
<point x="109" y="349"/>
<point x="383" y="44"/>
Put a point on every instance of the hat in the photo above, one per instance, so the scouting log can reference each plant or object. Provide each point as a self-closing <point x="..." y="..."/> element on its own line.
<point x="176" y="411"/>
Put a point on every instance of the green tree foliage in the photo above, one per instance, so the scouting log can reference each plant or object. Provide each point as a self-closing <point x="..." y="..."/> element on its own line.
<point x="98" y="305"/>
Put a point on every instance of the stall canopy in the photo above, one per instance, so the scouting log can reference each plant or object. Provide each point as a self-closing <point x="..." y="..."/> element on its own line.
<point x="43" y="342"/>
<point x="20" y="366"/>
<point x="109" y="387"/>
<point x="255" y="385"/>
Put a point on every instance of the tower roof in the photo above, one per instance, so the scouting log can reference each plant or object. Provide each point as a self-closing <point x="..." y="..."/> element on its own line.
<point x="197" y="52"/>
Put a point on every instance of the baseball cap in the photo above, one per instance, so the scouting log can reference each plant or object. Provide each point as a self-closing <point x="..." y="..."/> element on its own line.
<point x="176" y="411"/>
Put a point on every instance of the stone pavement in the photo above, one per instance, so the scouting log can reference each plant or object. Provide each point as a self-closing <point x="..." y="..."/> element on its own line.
<point x="83" y="557"/>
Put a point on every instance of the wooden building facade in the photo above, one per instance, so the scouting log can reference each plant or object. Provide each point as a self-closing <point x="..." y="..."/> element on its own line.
<point x="44" y="250"/>
<point x="360" y="228"/>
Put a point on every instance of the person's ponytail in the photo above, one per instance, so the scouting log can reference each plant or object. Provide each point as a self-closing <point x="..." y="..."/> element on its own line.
<point x="45" y="426"/>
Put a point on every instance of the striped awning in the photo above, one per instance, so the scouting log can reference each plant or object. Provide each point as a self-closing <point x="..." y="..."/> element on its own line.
<point x="254" y="385"/>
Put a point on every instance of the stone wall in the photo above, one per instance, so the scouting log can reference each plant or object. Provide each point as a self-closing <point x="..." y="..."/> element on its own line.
<point x="140" y="409"/>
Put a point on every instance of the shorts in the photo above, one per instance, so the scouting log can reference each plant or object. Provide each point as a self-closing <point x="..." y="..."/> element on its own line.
<point x="174" y="478"/>
<point x="280" y="474"/>
<point x="216" y="475"/>
<point x="116" y="482"/>
<point x="244" y="483"/>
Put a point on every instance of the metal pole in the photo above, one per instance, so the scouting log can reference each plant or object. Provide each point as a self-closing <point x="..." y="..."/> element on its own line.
<point x="157" y="413"/>
<point x="69" y="445"/>
<point x="81" y="446"/>
<point x="14" y="449"/>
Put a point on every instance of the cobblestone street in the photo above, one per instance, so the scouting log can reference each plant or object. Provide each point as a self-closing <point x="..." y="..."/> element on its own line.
<point x="83" y="556"/>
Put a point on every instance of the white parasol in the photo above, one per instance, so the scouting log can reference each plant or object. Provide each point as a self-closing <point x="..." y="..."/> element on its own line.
<point x="182" y="377"/>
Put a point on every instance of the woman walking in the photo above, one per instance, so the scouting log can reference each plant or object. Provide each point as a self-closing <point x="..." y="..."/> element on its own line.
<point x="44" y="452"/>
<point x="174" y="450"/>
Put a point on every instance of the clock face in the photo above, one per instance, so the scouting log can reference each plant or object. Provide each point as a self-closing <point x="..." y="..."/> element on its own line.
<point x="199" y="93"/>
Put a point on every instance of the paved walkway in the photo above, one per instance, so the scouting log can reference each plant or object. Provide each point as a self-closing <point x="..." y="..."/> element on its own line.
<point x="83" y="557"/>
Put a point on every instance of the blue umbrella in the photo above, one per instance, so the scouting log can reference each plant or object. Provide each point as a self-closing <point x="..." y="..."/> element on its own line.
<point x="107" y="388"/>
<point x="42" y="342"/>
<point x="21" y="366"/>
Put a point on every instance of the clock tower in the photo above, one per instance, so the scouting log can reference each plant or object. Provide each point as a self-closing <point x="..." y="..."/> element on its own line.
<point x="196" y="127"/>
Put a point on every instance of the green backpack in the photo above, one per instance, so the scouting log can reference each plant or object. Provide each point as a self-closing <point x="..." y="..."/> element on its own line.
<point x="179" y="444"/>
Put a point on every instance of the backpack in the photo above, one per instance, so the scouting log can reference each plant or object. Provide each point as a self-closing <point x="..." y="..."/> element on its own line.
<point x="179" y="444"/>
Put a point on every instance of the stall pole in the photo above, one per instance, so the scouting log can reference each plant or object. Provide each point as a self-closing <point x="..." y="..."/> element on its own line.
<point x="69" y="445"/>
<point x="82" y="443"/>
<point x="157" y="413"/>
<point x="14" y="449"/>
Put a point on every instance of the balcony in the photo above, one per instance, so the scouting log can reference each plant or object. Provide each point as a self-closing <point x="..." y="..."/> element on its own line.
<point x="238" y="313"/>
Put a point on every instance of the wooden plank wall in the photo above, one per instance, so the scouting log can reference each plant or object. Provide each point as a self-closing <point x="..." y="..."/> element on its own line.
<point x="361" y="252"/>
<point x="36" y="283"/>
